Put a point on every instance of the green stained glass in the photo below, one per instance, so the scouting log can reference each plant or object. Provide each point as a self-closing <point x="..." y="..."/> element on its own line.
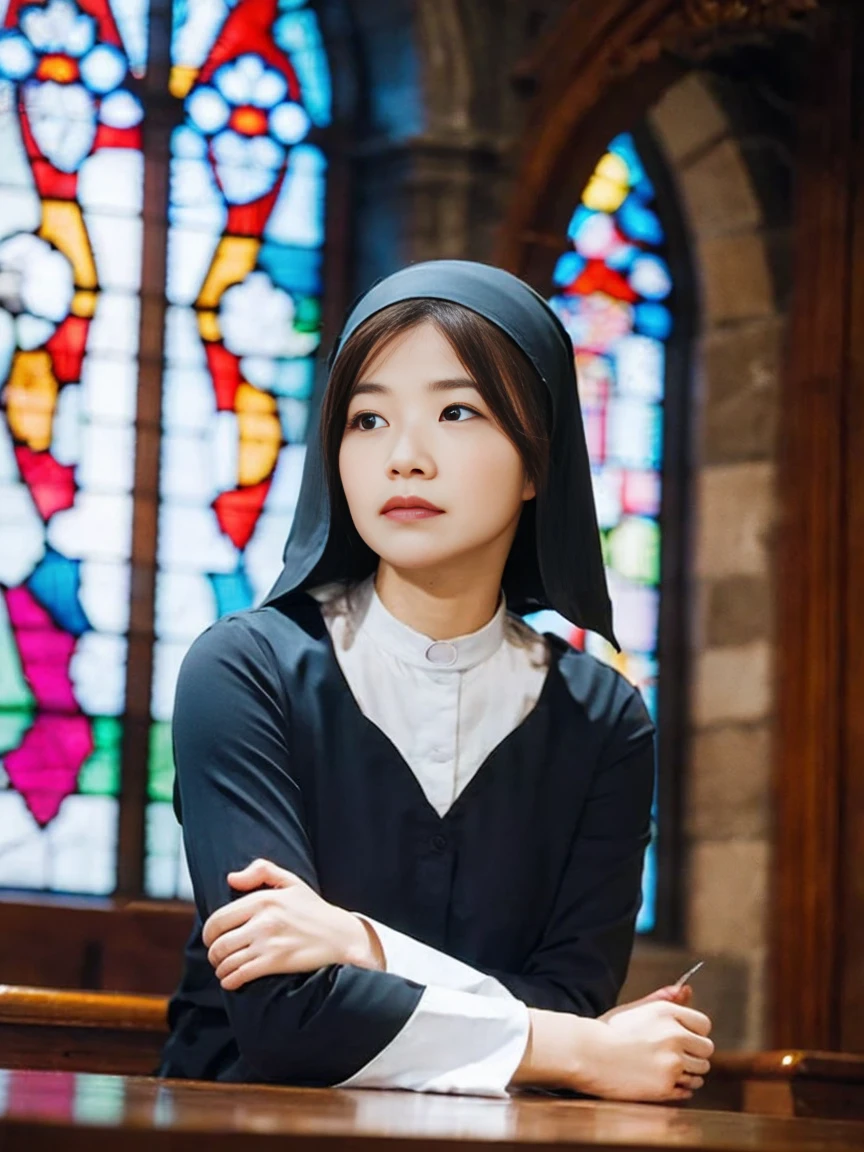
<point x="16" y="692"/>
<point x="160" y="772"/>
<point x="307" y="318"/>
<point x="100" y="773"/>
<point x="13" y="724"/>
<point x="634" y="549"/>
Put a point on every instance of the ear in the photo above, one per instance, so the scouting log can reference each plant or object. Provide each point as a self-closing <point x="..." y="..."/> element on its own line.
<point x="529" y="490"/>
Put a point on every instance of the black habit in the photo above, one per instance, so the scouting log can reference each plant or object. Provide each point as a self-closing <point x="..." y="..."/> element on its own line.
<point x="533" y="875"/>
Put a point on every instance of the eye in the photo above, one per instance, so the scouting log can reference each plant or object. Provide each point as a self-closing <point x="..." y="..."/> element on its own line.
<point x="365" y="421"/>
<point x="458" y="413"/>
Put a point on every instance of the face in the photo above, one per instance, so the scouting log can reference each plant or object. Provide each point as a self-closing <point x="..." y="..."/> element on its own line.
<point x="430" y="479"/>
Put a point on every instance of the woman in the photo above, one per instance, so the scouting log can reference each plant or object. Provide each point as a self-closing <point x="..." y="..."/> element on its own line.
<point x="415" y="828"/>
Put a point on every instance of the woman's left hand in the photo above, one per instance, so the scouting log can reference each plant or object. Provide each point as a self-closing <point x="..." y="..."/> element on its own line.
<point x="683" y="996"/>
<point x="285" y="927"/>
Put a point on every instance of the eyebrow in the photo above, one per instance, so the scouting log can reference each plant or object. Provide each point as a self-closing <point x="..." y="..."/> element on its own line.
<point x="369" y="388"/>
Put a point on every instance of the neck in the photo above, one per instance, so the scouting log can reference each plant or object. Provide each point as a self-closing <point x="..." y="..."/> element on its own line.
<point x="440" y="604"/>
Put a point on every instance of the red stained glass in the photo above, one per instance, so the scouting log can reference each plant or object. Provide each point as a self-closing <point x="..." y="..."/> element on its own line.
<point x="238" y="511"/>
<point x="249" y="28"/>
<point x="225" y="371"/>
<point x="51" y="485"/>
<point x="107" y="137"/>
<point x="67" y="347"/>
<point x="598" y="277"/>
<point x="249" y="219"/>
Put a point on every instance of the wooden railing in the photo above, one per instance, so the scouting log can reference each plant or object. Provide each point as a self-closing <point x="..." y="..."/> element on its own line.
<point x="81" y="1031"/>
<point x="113" y="1032"/>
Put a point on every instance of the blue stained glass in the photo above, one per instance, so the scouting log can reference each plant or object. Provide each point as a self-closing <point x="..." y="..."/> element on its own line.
<point x="55" y="583"/>
<point x="625" y="147"/>
<point x="298" y="35"/>
<point x="621" y="259"/>
<point x="647" y="917"/>
<point x="569" y="267"/>
<point x="232" y="590"/>
<point x="653" y="320"/>
<point x="294" y="269"/>
<point x="639" y="223"/>
<point x="577" y="221"/>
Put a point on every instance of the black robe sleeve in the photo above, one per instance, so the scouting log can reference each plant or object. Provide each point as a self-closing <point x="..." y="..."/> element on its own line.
<point x="581" y="961"/>
<point x="238" y="800"/>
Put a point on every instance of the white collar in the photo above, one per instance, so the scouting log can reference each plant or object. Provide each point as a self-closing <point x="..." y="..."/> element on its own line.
<point x="456" y="655"/>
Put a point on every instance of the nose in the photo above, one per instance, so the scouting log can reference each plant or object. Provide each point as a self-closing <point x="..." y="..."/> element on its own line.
<point x="410" y="457"/>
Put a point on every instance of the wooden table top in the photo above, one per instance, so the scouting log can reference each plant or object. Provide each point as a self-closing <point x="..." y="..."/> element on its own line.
<point x="65" y="1110"/>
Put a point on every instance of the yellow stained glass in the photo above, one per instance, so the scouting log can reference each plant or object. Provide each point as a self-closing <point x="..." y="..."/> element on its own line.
<point x="30" y="397"/>
<point x="608" y="187"/>
<point x="208" y="325"/>
<point x="260" y="434"/>
<point x="63" y="226"/>
<point x="84" y="304"/>
<point x="234" y="260"/>
<point x="181" y="80"/>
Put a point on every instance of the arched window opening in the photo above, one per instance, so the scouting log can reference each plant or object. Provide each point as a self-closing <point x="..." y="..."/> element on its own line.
<point x="614" y="290"/>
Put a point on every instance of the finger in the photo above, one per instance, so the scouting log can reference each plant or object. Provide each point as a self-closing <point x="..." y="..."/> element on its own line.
<point x="258" y="874"/>
<point x="234" y="961"/>
<point x="229" y="942"/>
<point x="229" y="916"/>
<point x="252" y="970"/>
<point x="690" y="1083"/>
<point x="696" y="1067"/>
<point x="699" y="1046"/>
<point x="679" y="1093"/>
<point x="695" y="1021"/>
<point x="682" y="995"/>
<point x="668" y="993"/>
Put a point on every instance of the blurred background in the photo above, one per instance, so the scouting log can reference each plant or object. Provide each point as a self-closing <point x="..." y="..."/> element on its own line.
<point x="192" y="194"/>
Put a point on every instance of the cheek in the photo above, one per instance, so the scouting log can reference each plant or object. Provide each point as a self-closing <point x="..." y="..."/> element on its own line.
<point x="492" y="470"/>
<point x="351" y="474"/>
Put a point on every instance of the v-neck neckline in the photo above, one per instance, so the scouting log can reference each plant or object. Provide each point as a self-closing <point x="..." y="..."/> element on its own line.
<point x="476" y="783"/>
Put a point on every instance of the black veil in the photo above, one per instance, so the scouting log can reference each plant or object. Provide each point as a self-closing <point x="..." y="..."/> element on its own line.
<point x="556" y="559"/>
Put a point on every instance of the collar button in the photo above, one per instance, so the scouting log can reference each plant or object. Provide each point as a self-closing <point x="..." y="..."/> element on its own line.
<point x="442" y="653"/>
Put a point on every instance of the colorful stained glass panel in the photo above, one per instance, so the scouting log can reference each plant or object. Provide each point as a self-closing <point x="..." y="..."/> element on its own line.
<point x="611" y="292"/>
<point x="71" y="175"/>
<point x="244" y="281"/>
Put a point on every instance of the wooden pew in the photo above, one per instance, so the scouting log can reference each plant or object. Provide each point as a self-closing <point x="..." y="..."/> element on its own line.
<point x="69" y="1112"/>
<point x="787" y="1083"/>
<point x="45" y="1029"/>
<point x="50" y="1029"/>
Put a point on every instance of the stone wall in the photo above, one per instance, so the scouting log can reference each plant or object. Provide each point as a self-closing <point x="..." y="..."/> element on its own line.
<point x="727" y="790"/>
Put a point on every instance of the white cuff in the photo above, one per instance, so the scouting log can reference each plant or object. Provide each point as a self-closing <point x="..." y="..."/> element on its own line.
<point x="404" y="956"/>
<point x="454" y="1042"/>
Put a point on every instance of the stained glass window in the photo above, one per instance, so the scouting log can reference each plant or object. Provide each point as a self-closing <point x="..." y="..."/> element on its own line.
<point x="611" y="291"/>
<point x="246" y="230"/>
<point x="250" y="83"/>
<point x="71" y="178"/>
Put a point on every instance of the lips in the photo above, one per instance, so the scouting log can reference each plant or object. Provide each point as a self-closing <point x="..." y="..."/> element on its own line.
<point x="408" y="508"/>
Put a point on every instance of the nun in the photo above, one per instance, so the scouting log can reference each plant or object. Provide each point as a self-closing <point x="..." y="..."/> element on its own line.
<point x="415" y="827"/>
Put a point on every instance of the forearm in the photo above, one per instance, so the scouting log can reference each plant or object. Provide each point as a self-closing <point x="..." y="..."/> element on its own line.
<point x="558" y="1051"/>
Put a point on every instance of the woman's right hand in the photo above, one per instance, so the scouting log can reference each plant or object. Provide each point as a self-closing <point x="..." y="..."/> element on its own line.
<point x="656" y="1050"/>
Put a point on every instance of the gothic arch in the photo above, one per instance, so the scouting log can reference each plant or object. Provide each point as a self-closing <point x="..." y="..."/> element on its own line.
<point x="717" y="142"/>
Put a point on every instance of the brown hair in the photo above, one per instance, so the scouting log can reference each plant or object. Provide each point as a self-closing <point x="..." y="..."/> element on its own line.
<point x="503" y="374"/>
